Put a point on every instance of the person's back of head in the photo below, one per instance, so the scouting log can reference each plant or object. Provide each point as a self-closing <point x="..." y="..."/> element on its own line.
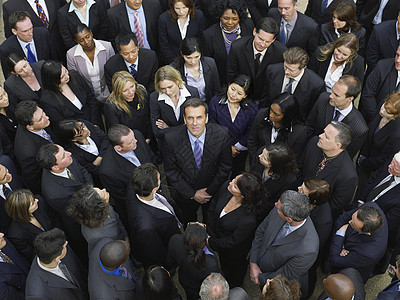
<point x="158" y="284"/>
<point x="116" y="132"/>
<point x="46" y="156"/>
<point x="268" y="25"/>
<point x="114" y="254"/>
<point x="281" y="288"/>
<point x="295" y="205"/>
<point x="296" y="55"/>
<point x="49" y="245"/>
<point x="144" y="179"/>
<point x="339" y="287"/>
<point x="24" y="112"/>
<point x="344" y="133"/>
<point x="372" y="219"/>
<point x="194" y="239"/>
<point x="214" y="287"/>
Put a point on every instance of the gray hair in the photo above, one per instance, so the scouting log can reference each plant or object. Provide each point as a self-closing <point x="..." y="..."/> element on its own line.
<point x="344" y="135"/>
<point x="214" y="287"/>
<point x="295" y="205"/>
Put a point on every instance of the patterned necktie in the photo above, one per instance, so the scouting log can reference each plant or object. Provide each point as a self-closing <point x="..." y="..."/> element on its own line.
<point x="42" y="15"/>
<point x="288" y="87"/>
<point x="282" y="35"/>
<point x="125" y="274"/>
<point x="138" y="29"/>
<point x="66" y="273"/>
<point x="198" y="153"/>
<point x="282" y="233"/>
<point x="169" y="206"/>
<point x="337" y="115"/>
<point x="31" y="57"/>
<point x="6" y="259"/>
<point x="46" y="136"/>
<point x="6" y="190"/>
<point x="321" y="165"/>
<point x="379" y="189"/>
<point x="70" y="175"/>
<point x="133" y="70"/>
<point x="324" y="5"/>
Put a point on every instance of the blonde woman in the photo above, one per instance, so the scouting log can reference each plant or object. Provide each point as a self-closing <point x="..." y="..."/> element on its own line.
<point x="128" y="104"/>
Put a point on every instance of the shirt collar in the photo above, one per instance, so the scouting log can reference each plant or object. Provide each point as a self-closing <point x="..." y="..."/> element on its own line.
<point x="292" y="22"/>
<point x="127" y="154"/>
<point x="97" y="48"/>
<point x="255" y="51"/>
<point x="347" y="110"/>
<point x="128" y="65"/>
<point x="23" y="44"/>
<point x="113" y="272"/>
<point x="298" y="77"/>
<point x="72" y="7"/>
<point x="188" y="73"/>
<point x="201" y="138"/>
<point x="293" y="228"/>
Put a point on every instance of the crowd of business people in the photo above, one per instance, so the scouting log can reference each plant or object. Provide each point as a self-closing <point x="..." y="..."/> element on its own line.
<point x="212" y="136"/>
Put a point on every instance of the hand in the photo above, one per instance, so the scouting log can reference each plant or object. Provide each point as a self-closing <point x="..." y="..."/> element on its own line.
<point x="97" y="161"/>
<point x="202" y="196"/>
<point x="148" y="141"/>
<point x="391" y="271"/>
<point x="161" y="124"/>
<point x="235" y="151"/>
<point x="344" y="228"/>
<point x="254" y="272"/>
<point x="344" y="252"/>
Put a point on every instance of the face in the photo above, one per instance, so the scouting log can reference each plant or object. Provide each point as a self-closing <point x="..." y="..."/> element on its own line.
<point x="79" y="3"/>
<point x="23" y="68"/>
<point x="85" y="39"/>
<point x="170" y="88"/>
<point x="2" y="241"/>
<point x="128" y="143"/>
<point x="3" y="98"/>
<point x="5" y="176"/>
<point x="356" y="223"/>
<point x="24" y="30"/>
<point x="275" y="113"/>
<point x="128" y="93"/>
<point x="181" y="10"/>
<point x="233" y="188"/>
<point x="264" y="159"/>
<point x="337" y="24"/>
<point x="287" y="9"/>
<point x="40" y="120"/>
<point x="229" y="19"/>
<point x="338" y="96"/>
<point x="134" y="4"/>
<point x="394" y="167"/>
<point x="384" y="113"/>
<point x="104" y="195"/>
<point x="235" y="93"/>
<point x="195" y="119"/>
<point x="193" y="59"/>
<point x="262" y="40"/>
<point x="82" y="132"/>
<point x="64" y="77"/>
<point x="63" y="159"/>
<point x="129" y="52"/>
<point x="34" y="205"/>
<point x="397" y="59"/>
<point x="303" y="189"/>
<point x="292" y="70"/>
<point x="341" y="54"/>
<point x="327" y="139"/>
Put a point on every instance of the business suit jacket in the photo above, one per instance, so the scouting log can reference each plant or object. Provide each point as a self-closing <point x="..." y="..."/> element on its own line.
<point x="259" y="9"/>
<point x="26" y="146"/>
<point x="241" y="61"/>
<point x="386" y="294"/>
<point x="150" y="229"/>
<point x="42" y="284"/>
<point x="367" y="9"/>
<point x="382" y="43"/>
<point x="379" y="84"/>
<point x="304" y="34"/>
<point x="42" y="45"/>
<point x="322" y="218"/>
<point x="314" y="11"/>
<point x="213" y="45"/>
<point x="364" y="250"/>
<point x="67" y="20"/>
<point x="210" y="73"/>
<point x="291" y="256"/>
<point x="358" y="283"/>
<point x="161" y="110"/>
<point x="18" y="90"/>
<point x="169" y="35"/>
<point x="119" y="21"/>
<point x="308" y="89"/>
<point x="13" y="276"/>
<point x="78" y="63"/>
<point x="340" y="173"/>
<point x="322" y="114"/>
<point x="146" y="70"/>
<point x="107" y="286"/>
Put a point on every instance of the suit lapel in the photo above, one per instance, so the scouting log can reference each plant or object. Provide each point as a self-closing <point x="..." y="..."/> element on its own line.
<point x="249" y="53"/>
<point x="329" y="112"/>
<point x="219" y="42"/>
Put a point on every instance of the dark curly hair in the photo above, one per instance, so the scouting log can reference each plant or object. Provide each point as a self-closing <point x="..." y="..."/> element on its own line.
<point x="252" y="189"/>
<point x="235" y="5"/>
<point x="87" y="208"/>
<point x="282" y="160"/>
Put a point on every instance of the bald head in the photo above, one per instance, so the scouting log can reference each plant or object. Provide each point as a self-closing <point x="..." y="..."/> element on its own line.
<point x="339" y="287"/>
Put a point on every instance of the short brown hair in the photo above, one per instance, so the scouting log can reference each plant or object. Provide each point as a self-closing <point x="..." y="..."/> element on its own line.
<point x="296" y="55"/>
<point x="188" y="3"/>
<point x="392" y="104"/>
<point x="319" y="190"/>
<point x="16" y="17"/>
<point x="281" y="288"/>
<point x="17" y="205"/>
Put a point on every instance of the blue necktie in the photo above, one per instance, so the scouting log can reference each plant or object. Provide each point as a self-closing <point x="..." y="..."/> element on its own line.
<point x="125" y="274"/>
<point x="133" y="70"/>
<point x="198" y="153"/>
<point x="282" y="35"/>
<point x="169" y="206"/>
<point x="288" y="87"/>
<point x="324" y="5"/>
<point x="336" y="115"/>
<point x="31" y="57"/>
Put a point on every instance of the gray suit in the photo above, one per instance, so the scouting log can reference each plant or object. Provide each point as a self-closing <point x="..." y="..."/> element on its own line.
<point x="291" y="256"/>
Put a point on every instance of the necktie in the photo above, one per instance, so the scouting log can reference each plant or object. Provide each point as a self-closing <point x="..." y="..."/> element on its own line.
<point x="198" y="153"/>
<point x="257" y="61"/>
<point x="377" y="190"/>
<point x="288" y="87"/>
<point x="324" y="5"/>
<point x="70" y="175"/>
<point x="6" y="190"/>
<point x="282" y="35"/>
<point x="133" y="70"/>
<point x="125" y="274"/>
<point x="31" y="57"/>
<point x="133" y="159"/>
<point x="46" y="136"/>
<point x="282" y="233"/>
<point x="138" y="30"/>
<point x="169" y="206"/>
<point x="42" y="15"/>
<point x="321" y="165"/>
<point x="6" y="259"/>
<point x="336" y="115"/>
<point x="66" y="273"/>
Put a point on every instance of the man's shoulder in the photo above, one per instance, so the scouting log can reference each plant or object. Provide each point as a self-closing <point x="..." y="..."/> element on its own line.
<point x="114" y="11"/>
<point x="242" y="43"/>
<point x="306" y="21"/>
<point x="147" y="54"/>
<point x="114" y="62"/>
<point x="215" y="130"/>
<point x="385" y="25"/>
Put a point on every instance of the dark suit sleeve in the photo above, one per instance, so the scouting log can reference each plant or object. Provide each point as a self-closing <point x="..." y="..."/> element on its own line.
<point x="252" y="140"/>
<point x="113" y="28"/>
<point x="312" y="118"/>
<point x="152" y="248"/>
<point x="155" y="114"/>
<point x="167" y="54"/>
<point x="309" y="11"/>
<point x="62" y="19"/>
<point x="312" y="41"/>
<point x="232" y="68"/>
<point x="6" y="16"/>
<point x="258" y="240"/>
<point x="111" y="114"/>
<point x="21" y="243"/>
<point x="368" y="99"/>
<point x="95" y="117"/>
<point x="108" y="74"/>
<point x="372" y="56"/>
<point x="87" y="178"/>
<point x="8" y="292"/>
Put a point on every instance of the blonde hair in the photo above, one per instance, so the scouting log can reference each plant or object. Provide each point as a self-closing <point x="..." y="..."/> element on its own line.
<point x="167" y="73"/>
<point x="119" y="80"/>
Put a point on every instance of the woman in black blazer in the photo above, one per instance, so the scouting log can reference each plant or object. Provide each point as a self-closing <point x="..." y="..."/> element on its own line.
<point x="231" y="224"/>
<point x="30" y="217"/>
<point x="67" y="95"/>
<point x="190" y="253"/>
<point x="86" y="142"/>
<point x="200" y="71"/>
<point x="128" y="104"/>
<point x="217" y="39"/>
<point x="344" y="20"/>
<point x="90" y="12"/>
<point x="180" y="21"/>
<point x="8" y="125"/>
<point x="338" y="58"/>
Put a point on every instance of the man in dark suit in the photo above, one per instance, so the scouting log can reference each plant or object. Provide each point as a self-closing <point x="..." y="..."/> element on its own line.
<point x="326" y="158"/>
<point x="32" y="133"/>
<point x="24" y="34"/>
<point x="55" y="272"/>
<point x="141" y="63"/>
<point x="252" y="55"/>
<point x="128" y="150"/>
<point x="392" y="291"/>
<point x="338" y="106"/>
<point x="259" y="9"/>
<point x="14" y="270"/>
<point x="362" y="244"/>
<point x="272" y="251"/>
<point x="294" y="77"/>
<point x="382" y="81"/>
<point x="122" y="19"/>
<point x="197" y="160"/>
<point x="320" y="14"/>
<point x="295" y="28"/>
<point x="111" y="273"/>
<point x="152" y="216"/>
